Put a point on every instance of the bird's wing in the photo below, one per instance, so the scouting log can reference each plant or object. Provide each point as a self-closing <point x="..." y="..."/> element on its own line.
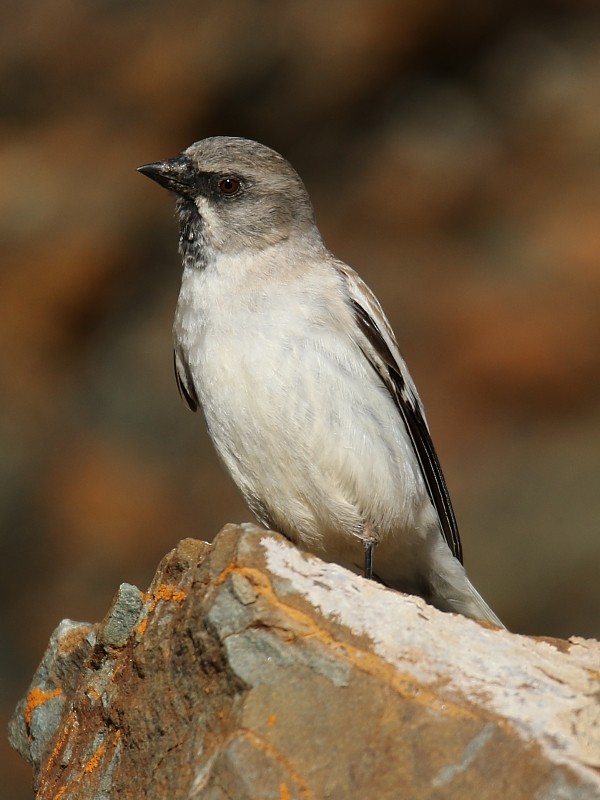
<point x="379" y="346"/>
<point x="185" y="383"/>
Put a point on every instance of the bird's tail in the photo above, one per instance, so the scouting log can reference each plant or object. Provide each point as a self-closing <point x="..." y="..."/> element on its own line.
<point x="451" y="590"/>
<point x="470" y="603"/>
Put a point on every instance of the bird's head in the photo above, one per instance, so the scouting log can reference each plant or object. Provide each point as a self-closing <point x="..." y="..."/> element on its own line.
<point x="234" y="195"/>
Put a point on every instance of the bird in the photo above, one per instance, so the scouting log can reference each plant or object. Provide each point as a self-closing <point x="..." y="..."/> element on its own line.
<point x="305" y="394"/>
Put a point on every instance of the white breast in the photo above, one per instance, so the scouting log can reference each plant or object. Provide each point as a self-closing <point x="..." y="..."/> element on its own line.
<point x="296" y="412"/>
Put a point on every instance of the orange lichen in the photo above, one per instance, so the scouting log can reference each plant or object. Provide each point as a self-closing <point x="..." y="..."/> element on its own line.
<point x="272" y="720"/>
<point x="94" y="761"/>
<point x="93" y="694"/>
<point x="164" y="592"/>
<point x="36" y="698"/>
<point x="284" y="792"/>
<point x="70" y="722"/>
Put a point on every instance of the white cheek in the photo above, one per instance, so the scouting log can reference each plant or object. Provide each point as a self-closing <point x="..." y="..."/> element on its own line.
<point x="202" y="205"/>
<point x="210" y="220"/>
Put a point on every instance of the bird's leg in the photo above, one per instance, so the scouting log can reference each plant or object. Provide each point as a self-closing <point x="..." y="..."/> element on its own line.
<point x="369" y="548"/>
<point x="369" y="538"/>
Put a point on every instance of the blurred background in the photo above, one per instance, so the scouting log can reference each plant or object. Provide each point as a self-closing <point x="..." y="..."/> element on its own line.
<point x="452" y="151"/>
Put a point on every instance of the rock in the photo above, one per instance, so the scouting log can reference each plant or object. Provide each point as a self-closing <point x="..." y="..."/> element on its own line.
<point x="38" y="715"/>
<point x="250" y="670"/>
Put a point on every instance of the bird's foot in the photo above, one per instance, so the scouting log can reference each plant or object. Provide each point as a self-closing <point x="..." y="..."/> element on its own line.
<point x="369" y="548"/>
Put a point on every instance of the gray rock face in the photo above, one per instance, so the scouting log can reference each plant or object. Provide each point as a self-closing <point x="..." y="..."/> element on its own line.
<point x="252" y="671"/>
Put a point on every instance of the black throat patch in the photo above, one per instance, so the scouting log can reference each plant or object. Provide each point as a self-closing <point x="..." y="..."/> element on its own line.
<point x="192" y="241"/>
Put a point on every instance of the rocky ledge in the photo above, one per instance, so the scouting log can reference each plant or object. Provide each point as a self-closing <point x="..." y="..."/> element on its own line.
<point x="251" y="671"/>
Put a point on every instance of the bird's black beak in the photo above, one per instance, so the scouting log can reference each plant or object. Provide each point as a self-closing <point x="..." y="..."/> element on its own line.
<point x="175" y="174"/>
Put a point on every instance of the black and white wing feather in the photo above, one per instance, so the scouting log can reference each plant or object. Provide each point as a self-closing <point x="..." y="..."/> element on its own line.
<point x="381" y="350"/>
<point x="185" y="382"/>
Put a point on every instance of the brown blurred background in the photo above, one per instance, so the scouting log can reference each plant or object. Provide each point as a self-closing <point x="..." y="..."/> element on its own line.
<point x="452" y="151"/>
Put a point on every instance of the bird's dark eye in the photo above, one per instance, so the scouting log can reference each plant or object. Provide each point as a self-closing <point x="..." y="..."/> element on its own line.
<point x="229" y="186"/>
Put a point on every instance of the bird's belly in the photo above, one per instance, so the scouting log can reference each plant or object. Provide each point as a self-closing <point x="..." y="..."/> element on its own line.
<point x="312" y="438"/>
